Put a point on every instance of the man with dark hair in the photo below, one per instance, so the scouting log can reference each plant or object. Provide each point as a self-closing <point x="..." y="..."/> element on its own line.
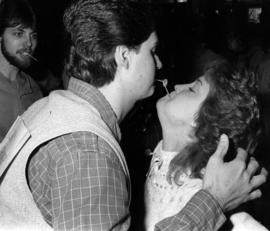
<point x="18" y="40"/>
<point x="61" y="163"/>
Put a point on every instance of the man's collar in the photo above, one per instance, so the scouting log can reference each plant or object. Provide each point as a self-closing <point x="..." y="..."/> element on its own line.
<point x="94" y="97"/>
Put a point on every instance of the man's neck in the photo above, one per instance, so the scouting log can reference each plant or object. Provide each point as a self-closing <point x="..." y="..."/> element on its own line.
<point x="115" y="96"/>
<point x="8" y="70"/>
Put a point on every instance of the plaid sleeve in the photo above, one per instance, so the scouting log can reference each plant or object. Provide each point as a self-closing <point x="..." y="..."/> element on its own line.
<point x="201" y="213"/>
<point x="89" y="187"/>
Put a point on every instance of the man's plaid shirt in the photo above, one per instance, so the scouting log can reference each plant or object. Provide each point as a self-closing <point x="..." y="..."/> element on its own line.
<point x="78" y="183"/>
<point x="77" y="180"/>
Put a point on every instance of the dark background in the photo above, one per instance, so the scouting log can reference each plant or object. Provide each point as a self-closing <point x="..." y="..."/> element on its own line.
<point x="180" y="27"/>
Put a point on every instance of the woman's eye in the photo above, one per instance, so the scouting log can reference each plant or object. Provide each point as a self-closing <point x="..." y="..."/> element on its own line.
<point x="190" y="89"/>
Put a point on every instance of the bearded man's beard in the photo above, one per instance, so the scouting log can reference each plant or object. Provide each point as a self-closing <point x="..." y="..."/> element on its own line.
<point x="21" y="63"/>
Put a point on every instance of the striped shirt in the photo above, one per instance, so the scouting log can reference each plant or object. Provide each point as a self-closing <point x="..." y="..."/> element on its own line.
<point x="15" y="97"/>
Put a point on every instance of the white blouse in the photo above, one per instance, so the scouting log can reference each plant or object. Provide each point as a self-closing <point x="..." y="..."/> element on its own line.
<point x="163" y="199"/>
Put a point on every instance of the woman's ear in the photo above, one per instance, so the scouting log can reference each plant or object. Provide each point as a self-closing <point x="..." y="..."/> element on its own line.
<point x="122" y="56"/>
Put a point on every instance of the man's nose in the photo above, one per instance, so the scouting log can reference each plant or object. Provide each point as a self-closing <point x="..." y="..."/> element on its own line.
<point x="28" y="42"/>
<point x="158" y="63"/>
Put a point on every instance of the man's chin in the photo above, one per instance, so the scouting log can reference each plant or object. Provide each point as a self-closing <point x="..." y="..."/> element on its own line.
<point x="151" y="91"/>
<point x="147" y="94"/>
<point x="22" y="64"/>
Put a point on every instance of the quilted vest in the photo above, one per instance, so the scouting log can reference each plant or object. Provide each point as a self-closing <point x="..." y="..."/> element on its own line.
<point x="60" y="113"/>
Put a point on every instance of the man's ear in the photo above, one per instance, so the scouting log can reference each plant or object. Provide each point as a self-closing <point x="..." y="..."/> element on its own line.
<point x="122" y="56"/>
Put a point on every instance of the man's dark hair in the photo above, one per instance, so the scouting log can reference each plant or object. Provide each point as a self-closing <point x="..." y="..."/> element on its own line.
<point x="16" y="12"/>
<point x="96" y="28"/>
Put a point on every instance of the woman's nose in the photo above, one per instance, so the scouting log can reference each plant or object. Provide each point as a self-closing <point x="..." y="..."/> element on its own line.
<point x="178" y="87"/>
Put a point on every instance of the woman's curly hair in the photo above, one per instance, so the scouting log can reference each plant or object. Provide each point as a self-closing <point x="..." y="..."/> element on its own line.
<point x="230" y="108"/>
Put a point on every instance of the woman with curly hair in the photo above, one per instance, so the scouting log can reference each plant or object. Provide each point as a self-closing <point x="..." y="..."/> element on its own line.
<point x="193" y="117"/>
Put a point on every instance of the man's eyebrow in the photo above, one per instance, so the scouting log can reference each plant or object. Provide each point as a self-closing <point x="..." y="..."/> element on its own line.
<point x="14" y="29"/>
<point x="19" y="26"/>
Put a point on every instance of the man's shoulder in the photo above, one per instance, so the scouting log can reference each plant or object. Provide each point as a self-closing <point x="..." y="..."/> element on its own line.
<point x="75" y="143"/>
